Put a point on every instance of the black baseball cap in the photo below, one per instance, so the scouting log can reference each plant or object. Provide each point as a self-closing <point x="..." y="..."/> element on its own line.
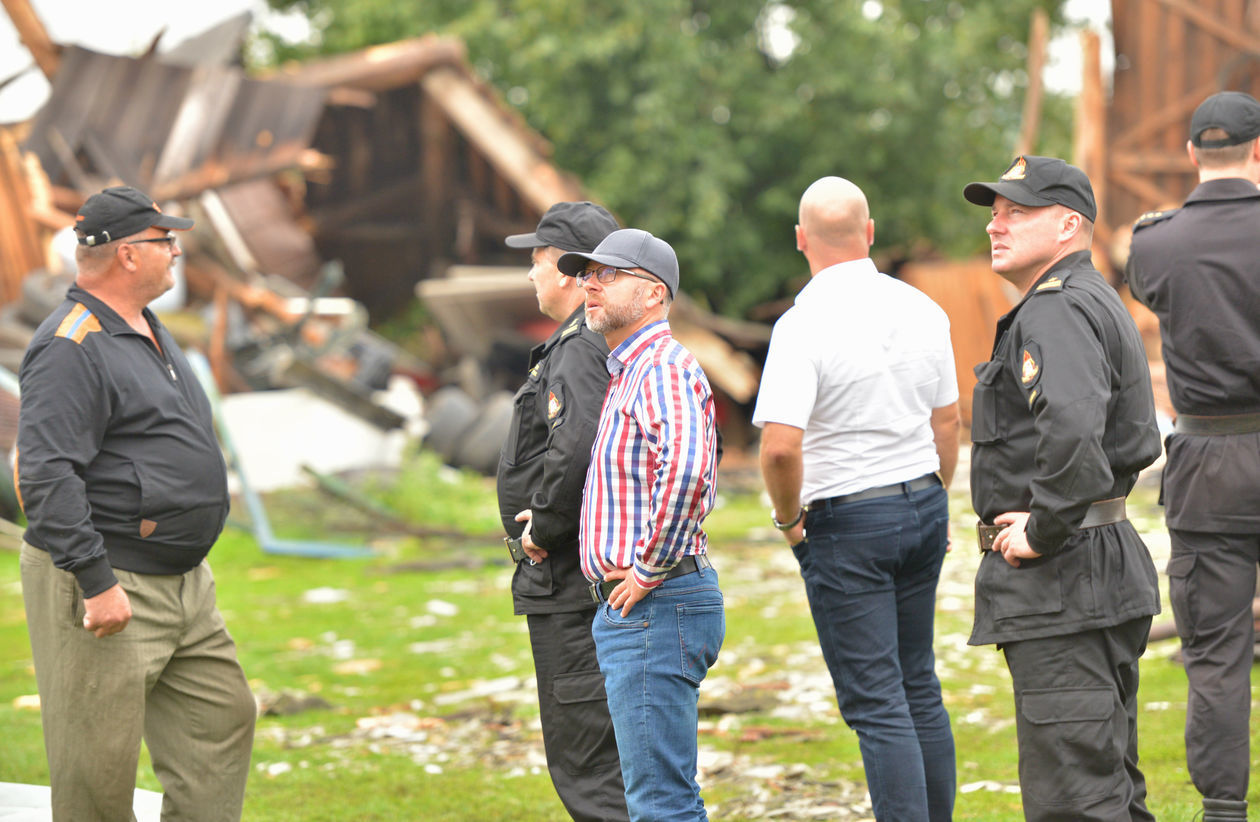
<point x="628" y="248"/>
<point x="1234" y="112"/>
<point x="121" y="211"/>
<point x="569" y="227"/>
<point x="1038" y="181"/>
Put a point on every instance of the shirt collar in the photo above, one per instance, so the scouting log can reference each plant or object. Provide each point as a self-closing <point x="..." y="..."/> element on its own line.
<point x="109" y="319"/>
<point x="864" y="267"/>
<point x="1224" y="188"/>
<point x="634" y="345"/>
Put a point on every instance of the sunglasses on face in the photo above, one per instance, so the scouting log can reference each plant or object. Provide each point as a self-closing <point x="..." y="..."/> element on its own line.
<point x="607" y="273"/>
<point x="169" y="239"/>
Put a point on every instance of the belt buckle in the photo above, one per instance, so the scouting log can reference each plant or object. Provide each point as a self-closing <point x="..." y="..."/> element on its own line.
<point x="594" y="591"/>
<point x="987" y="534"/>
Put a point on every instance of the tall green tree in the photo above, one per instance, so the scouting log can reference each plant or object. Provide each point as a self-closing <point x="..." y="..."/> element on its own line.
<point x="704" y="120"/>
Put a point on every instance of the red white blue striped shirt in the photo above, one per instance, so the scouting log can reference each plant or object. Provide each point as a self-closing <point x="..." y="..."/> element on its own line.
<point x="653" y="471"/>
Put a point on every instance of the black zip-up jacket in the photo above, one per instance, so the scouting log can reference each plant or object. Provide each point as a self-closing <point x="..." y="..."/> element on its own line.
<point x="544" y="459"/>
<point x="118" y="465"/>
<point x="1063" y="416"/>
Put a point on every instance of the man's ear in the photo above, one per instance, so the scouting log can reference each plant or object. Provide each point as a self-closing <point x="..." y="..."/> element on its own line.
<point x="800" y="239"/>
<point x="127" y="256"/>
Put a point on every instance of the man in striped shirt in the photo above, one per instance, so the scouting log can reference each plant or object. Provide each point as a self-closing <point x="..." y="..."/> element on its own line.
<point x="649" y="487"/>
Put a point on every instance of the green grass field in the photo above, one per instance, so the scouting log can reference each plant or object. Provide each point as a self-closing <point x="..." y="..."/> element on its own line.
<point x="427" y="675"/>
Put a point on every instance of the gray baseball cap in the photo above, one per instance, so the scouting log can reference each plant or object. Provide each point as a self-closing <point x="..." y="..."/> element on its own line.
<point x="569" y="227"/>
<point x="628" y="248"/>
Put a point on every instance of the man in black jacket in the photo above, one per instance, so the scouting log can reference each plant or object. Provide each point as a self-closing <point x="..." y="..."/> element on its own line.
<point x="541" y="473"/>
<point x="1198" y="269"/>
<point x="1062" y="421"/>
<point x="125" y="491"/>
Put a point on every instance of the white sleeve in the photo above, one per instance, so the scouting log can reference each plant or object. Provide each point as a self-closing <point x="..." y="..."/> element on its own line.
<point x="789" y="382"/>
<point x="947" y="387"/>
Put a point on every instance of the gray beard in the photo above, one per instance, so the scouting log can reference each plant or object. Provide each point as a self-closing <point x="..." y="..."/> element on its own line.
<point x="619" y="316"/>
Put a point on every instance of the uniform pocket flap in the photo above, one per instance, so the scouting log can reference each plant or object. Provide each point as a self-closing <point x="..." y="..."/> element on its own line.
<point x="987" y="372"/>
<point x="1068" y="705"/>
<point x="1180" y="567"/>
<point x="583" y="686"/>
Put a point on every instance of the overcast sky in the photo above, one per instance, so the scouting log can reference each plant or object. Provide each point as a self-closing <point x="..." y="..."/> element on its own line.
<point x="128" y="26"/>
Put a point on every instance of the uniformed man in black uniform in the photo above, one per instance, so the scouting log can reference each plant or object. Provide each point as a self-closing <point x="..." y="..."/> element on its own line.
<point x="1198" y="269"/>
<point x="541" y="473"/>
<point x="1062" y="421"/>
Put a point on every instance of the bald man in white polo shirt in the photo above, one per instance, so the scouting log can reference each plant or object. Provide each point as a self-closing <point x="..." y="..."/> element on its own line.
<point x="859" y="410"/>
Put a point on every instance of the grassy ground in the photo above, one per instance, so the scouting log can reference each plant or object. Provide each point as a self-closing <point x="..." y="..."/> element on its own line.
<point x="426" y="674"/>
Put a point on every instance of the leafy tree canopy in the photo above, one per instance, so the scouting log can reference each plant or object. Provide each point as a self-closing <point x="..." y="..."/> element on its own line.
<point x="704" y="120"/>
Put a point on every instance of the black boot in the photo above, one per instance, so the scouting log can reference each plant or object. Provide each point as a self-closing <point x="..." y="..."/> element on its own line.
<point x="1224" y="810"/>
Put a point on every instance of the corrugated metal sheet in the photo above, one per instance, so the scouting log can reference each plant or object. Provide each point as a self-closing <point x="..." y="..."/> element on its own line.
<point x="170" y="130"/>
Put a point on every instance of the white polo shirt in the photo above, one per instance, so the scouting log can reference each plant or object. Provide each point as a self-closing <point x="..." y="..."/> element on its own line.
<point x="858" y="363"/>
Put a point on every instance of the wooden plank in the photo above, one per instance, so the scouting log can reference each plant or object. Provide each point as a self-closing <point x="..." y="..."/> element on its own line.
<point x="1234" y="36"/>
<point x="1153" y="162"/>
<point x="34" y="36"/>
<point x="1159" y="120"/>
<point x="1038" y="37"/>
<point x="1150" y="194"/>
<point x="484" y="126"/>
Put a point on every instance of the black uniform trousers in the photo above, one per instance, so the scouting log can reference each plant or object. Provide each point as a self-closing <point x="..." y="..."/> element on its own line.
<point x="577" y="729"/>
<point x="1076" y="718"/>
<point x="1212" y="582"/>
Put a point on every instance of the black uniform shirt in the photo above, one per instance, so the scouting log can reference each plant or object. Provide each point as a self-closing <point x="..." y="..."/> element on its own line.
<point x="1198" y="269"/>
<point x="543" y="463"/>
<point x="1062" y="417"/>
<point x="118" y="465"/>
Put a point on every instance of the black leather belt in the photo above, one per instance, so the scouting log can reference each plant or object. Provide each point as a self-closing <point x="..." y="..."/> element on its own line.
<point x="1103" y="512"/>
<point x="925" y="481"/>
<point x="687" y="565"/>
<point x="1226" y="424"/>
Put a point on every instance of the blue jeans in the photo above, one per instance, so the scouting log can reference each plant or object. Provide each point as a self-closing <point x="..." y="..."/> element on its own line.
<point x="653" y="662"/>
<point x="870" y="571"/>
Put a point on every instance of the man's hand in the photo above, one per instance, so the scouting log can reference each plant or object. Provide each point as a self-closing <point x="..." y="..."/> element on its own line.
<point x="1011" y="542"/>
<point x="532" y="551"/>
<point x="108" y="612"/>
<point x="796" y="533"/>
<point x="625" y="595"/>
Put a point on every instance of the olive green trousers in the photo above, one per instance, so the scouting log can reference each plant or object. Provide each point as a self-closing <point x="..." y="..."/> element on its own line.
<point x="170" y="677"/>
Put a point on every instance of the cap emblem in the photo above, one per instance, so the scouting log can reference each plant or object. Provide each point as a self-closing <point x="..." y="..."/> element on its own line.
<point x="1017" y="170"/>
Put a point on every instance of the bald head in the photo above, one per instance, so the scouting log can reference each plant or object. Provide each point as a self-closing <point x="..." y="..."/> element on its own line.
<point x="835" y="223"/>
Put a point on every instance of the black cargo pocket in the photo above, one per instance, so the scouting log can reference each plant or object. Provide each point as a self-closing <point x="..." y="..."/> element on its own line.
<point x="589" y="744"/>
<point x="1074" y="743"/>
<point x="1181" y="590"/>
<point x="533" y="579"/>
<point x="986" y="425"/>
<point x="1031" y="589"/>
<point x="521" y="444"/>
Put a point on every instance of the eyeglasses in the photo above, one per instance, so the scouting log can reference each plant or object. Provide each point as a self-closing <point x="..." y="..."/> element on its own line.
<point x="607" y="273"/>
<point x="169" y="239"/>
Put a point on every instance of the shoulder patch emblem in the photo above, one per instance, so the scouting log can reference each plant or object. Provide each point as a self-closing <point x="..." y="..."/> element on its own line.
<point x="78" y="324"/>
<point x="554" y="405"/>
<point x="1052" y="284"/>
<point x="1030" y="365"/>
<point x="1017" y="170"/>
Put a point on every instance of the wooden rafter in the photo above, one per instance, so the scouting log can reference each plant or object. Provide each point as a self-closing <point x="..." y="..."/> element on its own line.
<point x="1240" y="39"/>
